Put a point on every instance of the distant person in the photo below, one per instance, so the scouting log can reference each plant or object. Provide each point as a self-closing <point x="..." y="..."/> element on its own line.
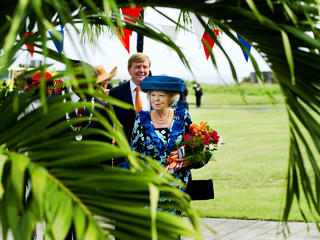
<point x="97" y="106"/>
<point x="17" y="80"/>
<point x="33" y="88"/>
<point x="22" y="82"/>
<point x="80" y="129"/>
<point x="198" y="93"/>
<point x="183" y="98"/>
<point x="36" y="78"/>
<point x="121" y="82"/>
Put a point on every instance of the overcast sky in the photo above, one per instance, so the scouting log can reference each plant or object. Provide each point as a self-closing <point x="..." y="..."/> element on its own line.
<point x="109" y="52"/>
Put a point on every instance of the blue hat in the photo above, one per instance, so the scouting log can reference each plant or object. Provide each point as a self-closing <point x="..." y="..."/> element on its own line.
<point x="163" y="83"/>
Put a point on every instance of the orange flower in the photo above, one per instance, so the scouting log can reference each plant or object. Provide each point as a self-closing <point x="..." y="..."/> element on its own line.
<point x="196" y="129"/>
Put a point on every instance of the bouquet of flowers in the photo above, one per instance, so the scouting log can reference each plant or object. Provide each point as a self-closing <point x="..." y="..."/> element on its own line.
<point x="197" y="146"/>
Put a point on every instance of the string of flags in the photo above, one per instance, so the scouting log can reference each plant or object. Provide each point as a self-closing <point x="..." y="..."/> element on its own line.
<point x="247" y="46"/>
<point x="29" y="46"/>
<point x="206" y="38"/>
<point x="203" y="36"/>
<point x="58" y="44"/>
<point x="125" y="35"/>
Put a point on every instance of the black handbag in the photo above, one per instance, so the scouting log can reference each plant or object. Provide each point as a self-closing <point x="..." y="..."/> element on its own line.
<point x="200" y="189"/>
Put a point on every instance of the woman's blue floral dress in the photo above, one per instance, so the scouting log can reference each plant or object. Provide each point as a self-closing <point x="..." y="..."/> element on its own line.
<point x="158" y="143"/>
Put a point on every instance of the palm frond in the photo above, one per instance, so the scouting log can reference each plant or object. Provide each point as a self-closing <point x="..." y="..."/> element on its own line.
<point x="71" y="185"/>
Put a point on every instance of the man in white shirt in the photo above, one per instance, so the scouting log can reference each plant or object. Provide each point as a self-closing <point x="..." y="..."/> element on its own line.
<point x="138" y="68"/>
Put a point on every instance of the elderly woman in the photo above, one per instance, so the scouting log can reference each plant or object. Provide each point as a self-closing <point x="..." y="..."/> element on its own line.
<point x="155" y="132"/>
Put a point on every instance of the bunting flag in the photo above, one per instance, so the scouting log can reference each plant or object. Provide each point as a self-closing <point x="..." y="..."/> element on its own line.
<point x="198" y="29"/>
<point x="171" y="32"/>
<point x="206" y="38"/>
<point x="247" y="45"/>
<point x="201" y="34"/>
<point x="58" y="44"/>
<point x="125" y="35"/>
<point x="132" y="12"/>
<point x="29" y="47"/>
<point x="124" y="38"/>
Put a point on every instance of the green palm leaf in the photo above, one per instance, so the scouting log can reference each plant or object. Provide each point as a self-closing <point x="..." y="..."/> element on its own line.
<point x="69" y="184"/>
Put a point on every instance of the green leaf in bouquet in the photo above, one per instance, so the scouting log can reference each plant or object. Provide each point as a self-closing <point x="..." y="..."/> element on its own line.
<point x="206" y="157"/>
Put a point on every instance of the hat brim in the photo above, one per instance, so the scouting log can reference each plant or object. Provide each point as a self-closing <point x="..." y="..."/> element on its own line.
<point x="107" y="76"/>
<point x="162" y="83"/>
<point x="164" y="86"/>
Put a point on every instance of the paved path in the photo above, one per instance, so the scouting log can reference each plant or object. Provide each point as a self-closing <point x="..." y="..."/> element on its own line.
<point x="232" y="229"/>
<point x="258" y="109"/>
<point x="227" y="229"/>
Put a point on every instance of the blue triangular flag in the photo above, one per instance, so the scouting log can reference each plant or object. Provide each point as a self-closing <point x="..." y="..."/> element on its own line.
<point x="59" y="45"/>
<point x="247" y="45"/>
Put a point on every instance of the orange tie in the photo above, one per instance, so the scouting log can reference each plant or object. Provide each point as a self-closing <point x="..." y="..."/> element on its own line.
<point x="138" y="103"/>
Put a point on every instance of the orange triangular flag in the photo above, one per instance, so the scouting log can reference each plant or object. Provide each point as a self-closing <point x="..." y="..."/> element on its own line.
<point x="124" y="38"/>
<point x="206" y="37"/>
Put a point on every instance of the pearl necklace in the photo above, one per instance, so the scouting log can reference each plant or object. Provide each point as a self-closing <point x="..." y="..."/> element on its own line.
<point x="74" y="128"/>
<point x="162" y="121"/>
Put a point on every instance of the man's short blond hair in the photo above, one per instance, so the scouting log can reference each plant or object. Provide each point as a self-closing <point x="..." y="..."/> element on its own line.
<point x="138" y="58"/>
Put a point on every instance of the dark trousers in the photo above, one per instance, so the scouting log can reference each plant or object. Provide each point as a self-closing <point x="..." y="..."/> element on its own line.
<point x="198" y="101"/>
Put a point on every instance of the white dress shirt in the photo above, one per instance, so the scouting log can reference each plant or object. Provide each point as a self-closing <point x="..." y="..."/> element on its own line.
<point x="143" y="96"/>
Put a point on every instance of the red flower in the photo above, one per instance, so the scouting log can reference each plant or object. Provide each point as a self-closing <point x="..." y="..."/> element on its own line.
<point x="186" y="137"/>
<point x="213" y="133"/>
<point x="206" y="139"/>
<point x="191" y="129"/>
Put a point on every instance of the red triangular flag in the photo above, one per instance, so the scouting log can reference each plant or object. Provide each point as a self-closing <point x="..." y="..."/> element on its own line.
<point x="206" y="37"/>
<point x="29" y="47"/>
<point x="124" y="38"/>
<point x="132" y="12"/>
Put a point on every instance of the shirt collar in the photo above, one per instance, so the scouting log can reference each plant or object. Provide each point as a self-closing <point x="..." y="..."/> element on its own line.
<point x="133" y="86"/>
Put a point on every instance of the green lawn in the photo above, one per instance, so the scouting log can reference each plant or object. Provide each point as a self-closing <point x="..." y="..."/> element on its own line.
<point x="229" y="96"/>
<point x="249" y="170"/>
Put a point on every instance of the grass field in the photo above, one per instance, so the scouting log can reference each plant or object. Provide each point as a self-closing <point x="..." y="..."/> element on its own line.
<point x="229" y="96"/>
<point x="249" y="170"/>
